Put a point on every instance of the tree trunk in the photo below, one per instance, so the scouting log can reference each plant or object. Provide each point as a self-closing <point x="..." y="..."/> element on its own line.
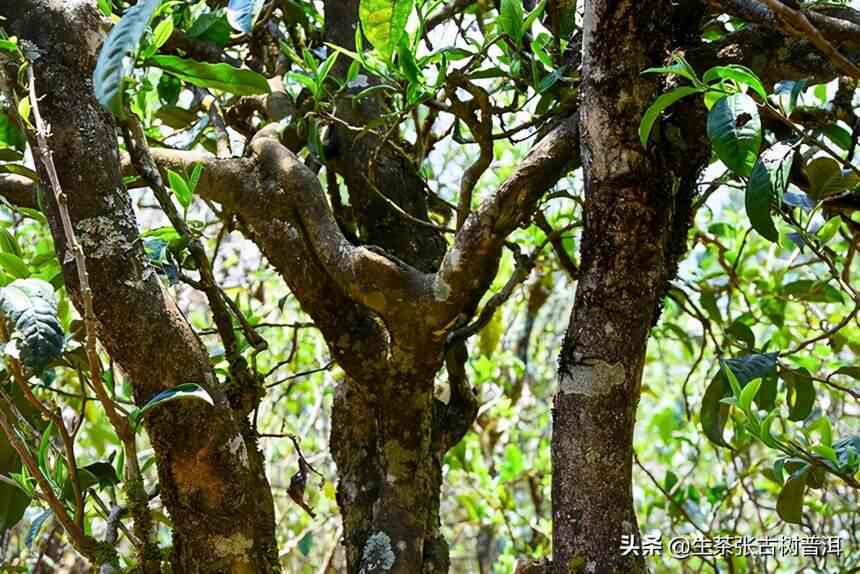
<point x="388" y="440"/>
<point x="211" y="473"/>
<point x="636" y="217"/>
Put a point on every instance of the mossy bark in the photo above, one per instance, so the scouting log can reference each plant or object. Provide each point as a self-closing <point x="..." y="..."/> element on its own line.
<point x="384" y="441"/>
<point x="637" y="214"/>
<point x="211" y="474"/>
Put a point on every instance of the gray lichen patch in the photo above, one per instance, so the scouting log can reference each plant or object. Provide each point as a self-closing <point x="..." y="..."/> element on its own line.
<point x="592" y="379"/>
<point x="234" y="546"/>
<point x="377" y="554"/>
<point x="441" y="290"/>
<point x="101" y="237"/>
<point x="237" y="448"/>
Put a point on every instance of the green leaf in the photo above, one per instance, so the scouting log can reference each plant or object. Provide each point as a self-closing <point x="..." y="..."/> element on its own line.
<point x="36" y="527"/>
<point x="766" y="396"/>
<point x="176" y="117"/>
<point x="121" y="44"/>
<point x="325" y="67"/>
<point x="384" y="23"/>
<point x="534" y="15"/>
<point x="752" y="366"/>
<point x="9" y="45"/>
<point x="785" y="95"/>
<point x="18" y="169"/>
<point x="222" y="76"/>
<point x="10" y="134"/>
<point x="812" y="291"/>
<point x="838" y="135"/>
<point x="303" y="79"/>
<point x="212" y="27"/>
<point x="826" y="177"/>
<point x="161" y="34"/>
<point x="853" y="372"/>
<point x="660" y="104"/>
<point x="31" y="307"/>
<point x="826" y="232"/>
<point x="407" y="62"/>
<point x="550" y="80"/>
<point x="740" y="74"/>
<point x="746" y="399"/>
<point x="8" y="243"/>
<point x="768" y="182"/>
<point x="734" y="128"/>
<point x="179" y="392"/>
<point x="105" y="7"/>
<point x="848" y="452"/>
<point x="514" y="463"/>
<point x="242" y="14"/>
<point x="708" y="300"/>
<point x="44" y="446"/>
<point x="825" y="428"/>
<point x="510" y="19"/>
<point x="789" y="504"/>
<point x="14" y="265"/>
<point x="180" y="188"/>
<point x="196" y="173"/>
<point x="13" y="500"/>
<point x="734" y="383"/>
<point x="680" y="67"/>
<point x="24" y="109"/>
<point x="800" y="394"/>
<point x="714" y="413"/>
<point x="741" y="332"/>
<point x="101" y="473"/>
<point x="765" y="434"/>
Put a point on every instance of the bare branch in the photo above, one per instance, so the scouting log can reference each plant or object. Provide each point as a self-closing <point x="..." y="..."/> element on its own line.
<point x="471" y="264"/>
<point x="799" y="25"/>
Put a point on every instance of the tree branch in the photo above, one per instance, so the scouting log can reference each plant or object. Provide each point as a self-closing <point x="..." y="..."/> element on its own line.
<point x="800" y="26"/>
<point x="469" y="267"/>
<point x="263" y="190"/>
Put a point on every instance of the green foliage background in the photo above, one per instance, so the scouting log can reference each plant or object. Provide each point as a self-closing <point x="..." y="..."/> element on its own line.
<point x="757" y="280"/>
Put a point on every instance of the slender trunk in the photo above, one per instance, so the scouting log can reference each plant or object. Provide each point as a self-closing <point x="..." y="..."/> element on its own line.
<point x="632" y="217"/>
<point x="211" y="474"/>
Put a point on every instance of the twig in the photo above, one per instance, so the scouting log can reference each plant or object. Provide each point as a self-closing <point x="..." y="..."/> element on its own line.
<point x="68" y="443"/>
<point x="524" y="266"/>
<point x="325" y="367"/>
<point x="824" y="335"/>
<point x="84" y="544"/>
<point x="555" y="240"/>
<point x="668" y="495"/>
<point x="482" y="131"/>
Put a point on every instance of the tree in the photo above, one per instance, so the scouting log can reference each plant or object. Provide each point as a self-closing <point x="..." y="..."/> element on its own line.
<point x="396" y="276"/>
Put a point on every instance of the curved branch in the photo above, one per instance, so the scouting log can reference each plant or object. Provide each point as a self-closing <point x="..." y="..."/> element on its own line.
<point x="799" y="25"/>
<point x="469" y="267"/>
<point x="382" y="283"/>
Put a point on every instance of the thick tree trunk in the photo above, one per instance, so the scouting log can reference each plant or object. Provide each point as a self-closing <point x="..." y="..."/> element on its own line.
<point x="387" y="432"/>
<point x="388" y="446"/>
<point x="211" y="475"/>
<point x="634" y="219"/>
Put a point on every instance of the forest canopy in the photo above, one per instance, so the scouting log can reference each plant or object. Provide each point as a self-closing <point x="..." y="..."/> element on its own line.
<point x="429" y="286"/>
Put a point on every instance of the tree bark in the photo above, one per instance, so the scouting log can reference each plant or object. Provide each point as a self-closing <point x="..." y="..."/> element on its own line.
<point x="637" y="212"/>
<point x="389" y="475"/>
<point x="211" y="474"/>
